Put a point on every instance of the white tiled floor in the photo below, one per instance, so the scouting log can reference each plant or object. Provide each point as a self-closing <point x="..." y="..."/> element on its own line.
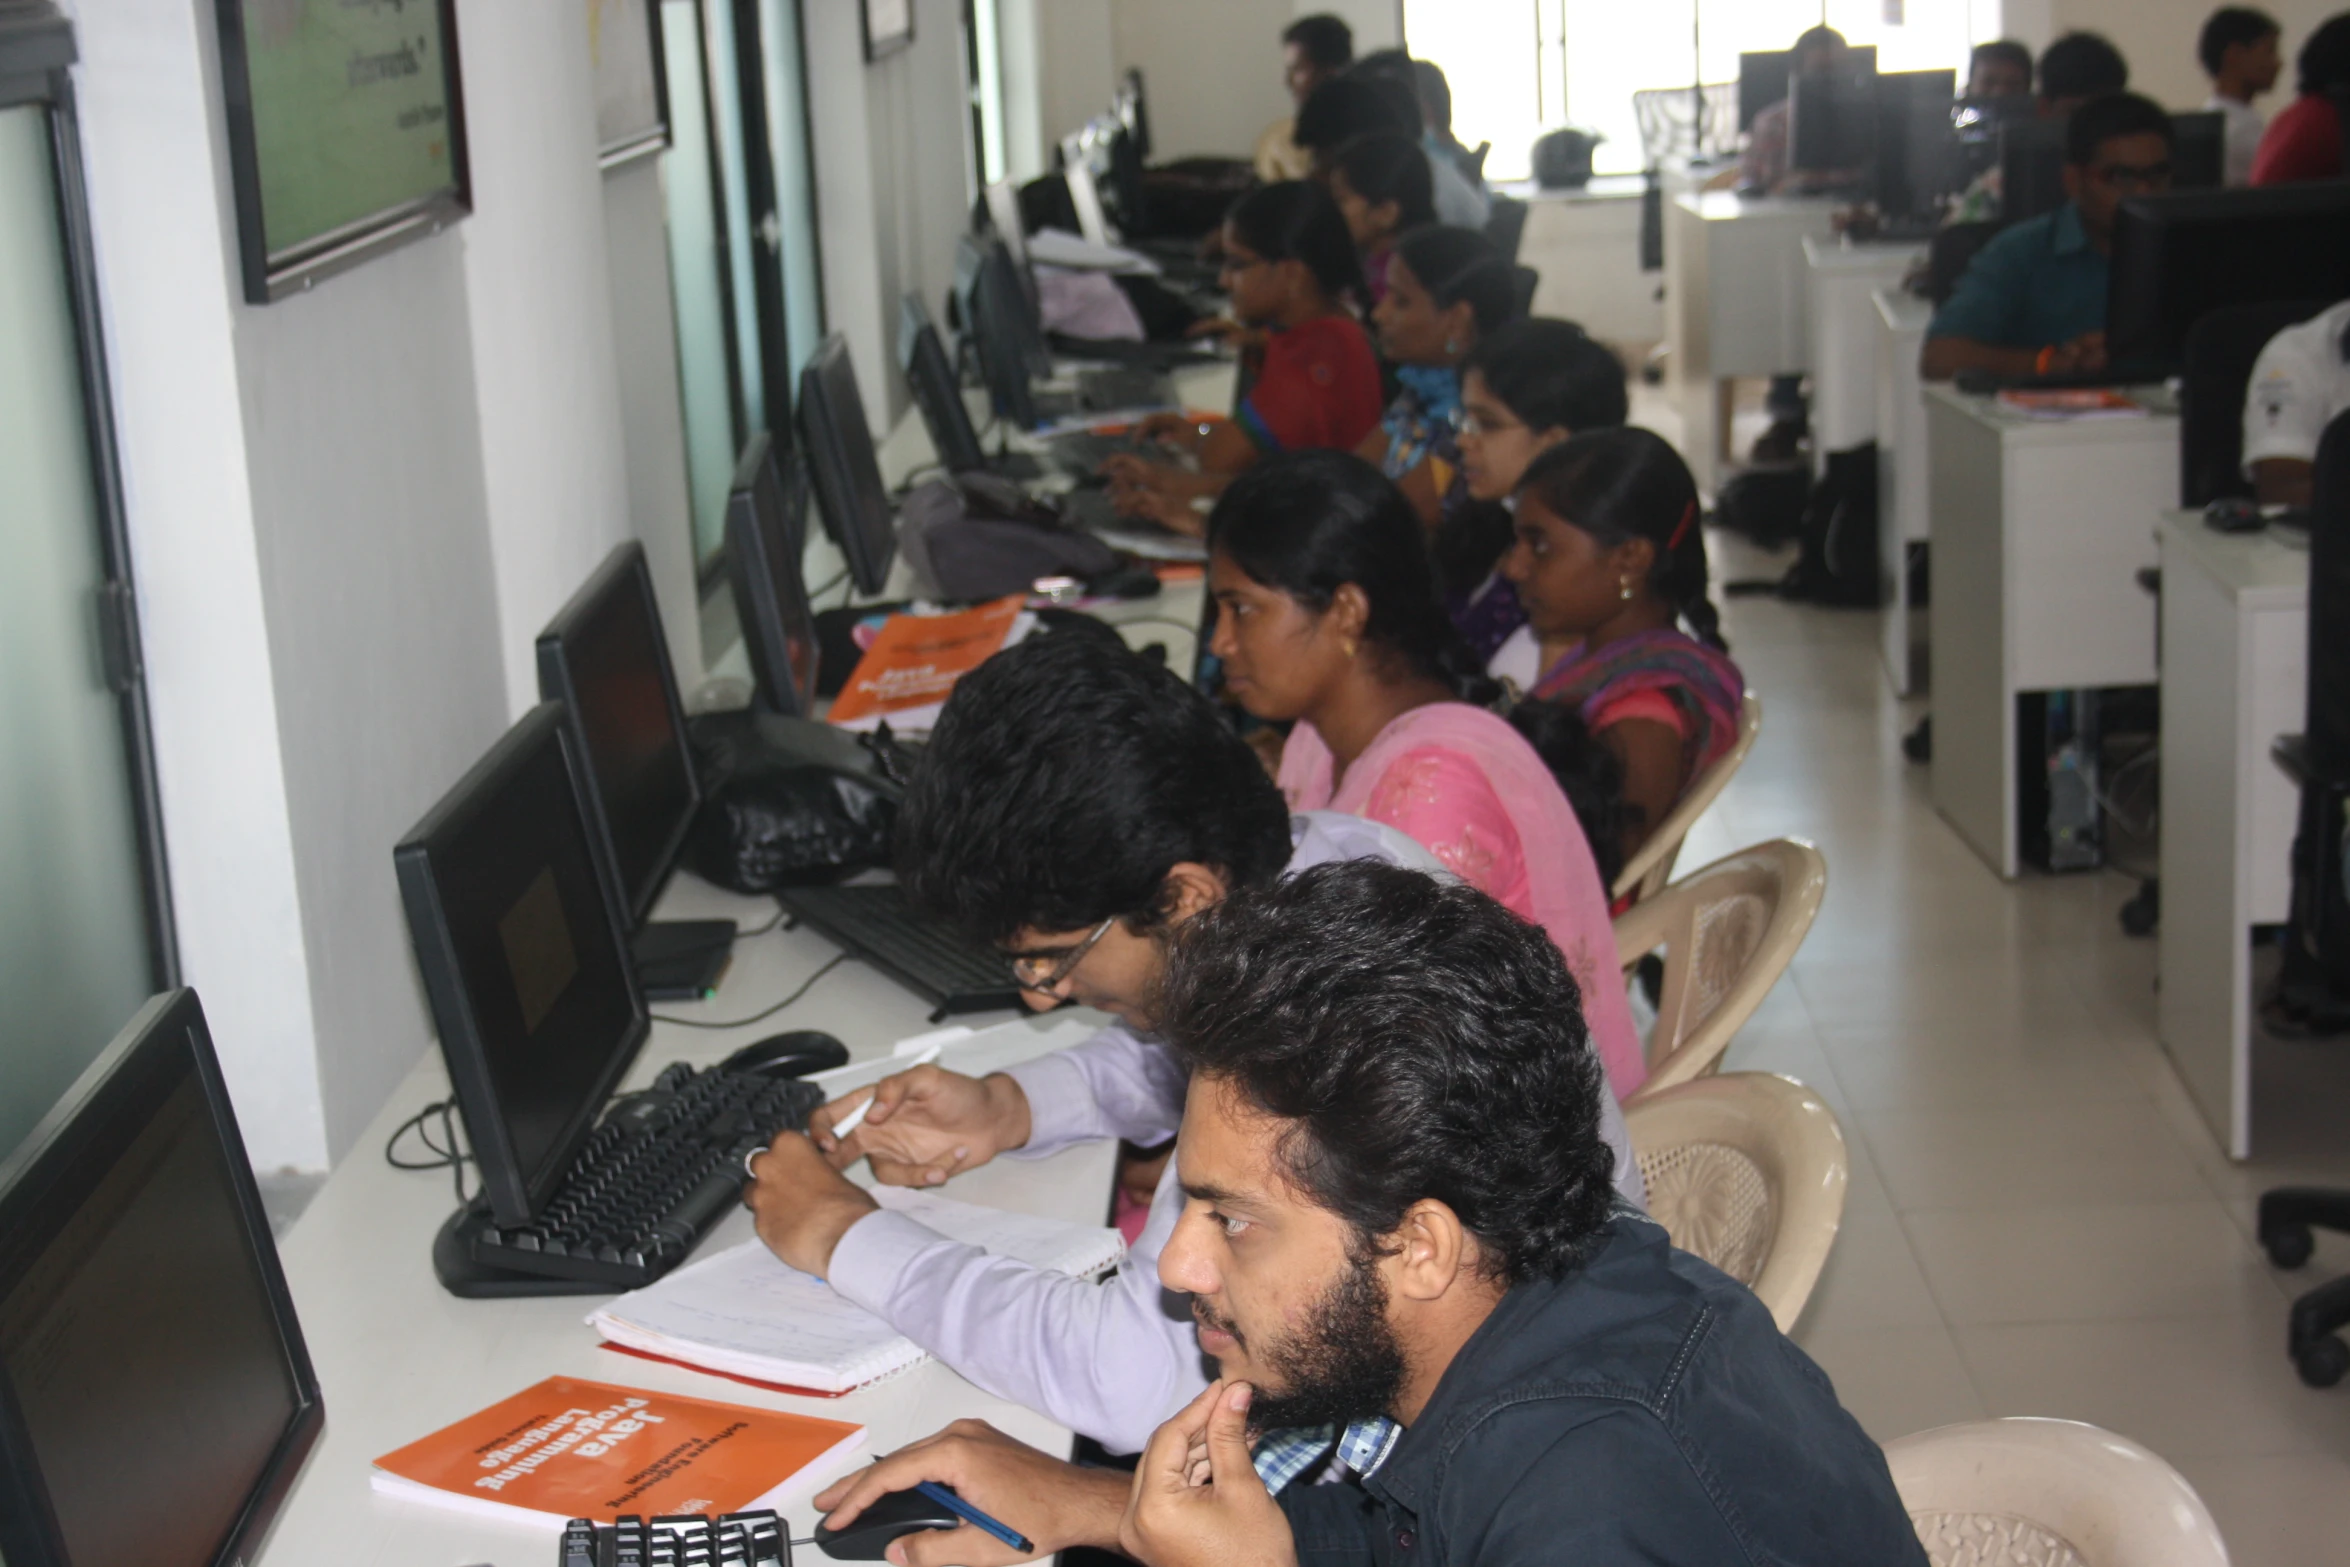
<point x="2039" y="1222"/>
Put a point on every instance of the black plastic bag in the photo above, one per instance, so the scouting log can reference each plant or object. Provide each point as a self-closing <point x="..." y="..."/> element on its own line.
<point x="776" y="817"/>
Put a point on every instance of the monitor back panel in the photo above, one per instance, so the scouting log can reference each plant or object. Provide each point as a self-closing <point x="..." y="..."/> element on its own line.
<point x="842" y="464"/>
<point x="770" y="593"/>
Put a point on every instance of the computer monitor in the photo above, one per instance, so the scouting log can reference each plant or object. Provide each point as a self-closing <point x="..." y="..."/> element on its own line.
<point x="1764" y="74"/>
<point x="604" y="658"/>
<point x="763" y="566"/>
<point x="2179" y="257"/>
<point x="1832" y="121"/>
<point x="938" y="391"/>
<point x="847" y="475"/>
<point x="525" y="959"/>
<point x="1003" y="213"/>
<point x="156" y="1398"/>
<point x="1917" y="145"/>
<point x="999" y="331"/>
<point x="2032" y="160"/>
<point x="1084" y="195"/>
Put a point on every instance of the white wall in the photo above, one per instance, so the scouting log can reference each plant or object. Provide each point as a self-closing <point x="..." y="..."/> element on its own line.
<point x="893" y="184"/>
<point x="350" y="511"/>
<point x="546" y="377"/>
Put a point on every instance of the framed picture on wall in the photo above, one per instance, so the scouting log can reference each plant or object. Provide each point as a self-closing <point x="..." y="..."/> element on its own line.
<point x="889" y="26"/>
<point x="346" y="131"/>
<point x="632" y="93"/>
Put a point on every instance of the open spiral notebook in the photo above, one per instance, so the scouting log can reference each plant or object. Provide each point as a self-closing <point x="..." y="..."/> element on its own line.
<point x="744" y="1314"/>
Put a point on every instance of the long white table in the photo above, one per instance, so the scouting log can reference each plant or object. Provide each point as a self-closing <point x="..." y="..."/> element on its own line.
<point x="1735" y="303"/>
<point x="1586" y="245"/>
<point x="2235" y="630"/>
<point x="2040" y="528"/>
<point x="1902" y="492"/>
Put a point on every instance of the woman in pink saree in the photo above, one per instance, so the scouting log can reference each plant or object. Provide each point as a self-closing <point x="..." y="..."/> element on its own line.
<point x="1327" y="615"/>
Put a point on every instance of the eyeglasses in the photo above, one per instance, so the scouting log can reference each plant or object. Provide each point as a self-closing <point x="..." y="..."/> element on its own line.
<point x="1048" y="981"/>
<point x="2136" y="176"/>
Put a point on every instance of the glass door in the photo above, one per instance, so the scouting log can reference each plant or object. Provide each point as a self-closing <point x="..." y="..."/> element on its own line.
<point x="84" y="924"/>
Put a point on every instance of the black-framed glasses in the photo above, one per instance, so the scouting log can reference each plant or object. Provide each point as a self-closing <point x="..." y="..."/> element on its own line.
<point x="1030" y="975"/>
<point x="2136" y="176"/>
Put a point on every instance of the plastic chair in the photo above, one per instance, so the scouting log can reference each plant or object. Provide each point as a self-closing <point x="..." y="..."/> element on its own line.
<point x="1746" y="1170"/>
<point x="1728" y="932"/>
<point x="2048" y="1493"/>
<point x="1650" y="866"/>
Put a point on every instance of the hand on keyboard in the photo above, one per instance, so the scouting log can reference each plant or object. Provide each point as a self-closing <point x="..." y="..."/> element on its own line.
<point x="926" y="1124"/>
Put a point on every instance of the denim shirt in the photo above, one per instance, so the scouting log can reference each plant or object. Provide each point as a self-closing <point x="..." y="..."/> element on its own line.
<point x="1645" y="1409"/>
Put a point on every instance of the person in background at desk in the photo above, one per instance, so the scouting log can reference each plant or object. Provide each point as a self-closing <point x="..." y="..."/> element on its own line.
<point x="2304" y="141"/>
<point x="2299" y="384"/>
<point x="1314" y="49"/>
<point x="2076" y="69"/>
<point x="1999" y="69"/>
<point x="1361" y="103"/>
<point x="1076" y="810"/>
<point x="1460" y="195"/>
<point x="1765" y="167"/>
<point x="2238" y="51"/>
<point x="1290" y="269"/>
<point x="1396" y="1224"/>
<point x="2033" y="300"/>
<point x="1380" y="183"/>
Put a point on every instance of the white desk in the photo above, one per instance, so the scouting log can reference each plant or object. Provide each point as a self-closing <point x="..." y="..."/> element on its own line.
<point x="1586" y="245"/>
<point x="1900" y="333"/>
<point x="397" y="1358"/>
<point x="1841" y="281"/>
<point x="1735" y="303"/>
<point x="2235" y="618"/>
<point x="2039" y="530"/>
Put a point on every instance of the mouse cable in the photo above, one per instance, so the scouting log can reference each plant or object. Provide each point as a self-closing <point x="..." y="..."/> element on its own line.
<point x="448" y="1155"/>
<point x="760" y="1016"/>
<point x="828" y="584"/>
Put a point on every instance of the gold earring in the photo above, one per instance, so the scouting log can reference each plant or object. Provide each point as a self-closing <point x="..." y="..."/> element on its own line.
<point x="1348" y="647"/>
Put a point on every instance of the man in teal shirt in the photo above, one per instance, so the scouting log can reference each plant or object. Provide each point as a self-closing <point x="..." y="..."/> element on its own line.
<point x="2033" y="301"/>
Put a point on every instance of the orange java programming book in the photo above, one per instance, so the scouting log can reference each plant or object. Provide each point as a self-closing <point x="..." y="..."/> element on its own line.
<point x="572" y="1449"/>
<point x="915" y="660"/>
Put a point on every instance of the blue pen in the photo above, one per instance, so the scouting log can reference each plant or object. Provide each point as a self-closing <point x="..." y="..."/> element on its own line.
<point x="977" y="1519"/>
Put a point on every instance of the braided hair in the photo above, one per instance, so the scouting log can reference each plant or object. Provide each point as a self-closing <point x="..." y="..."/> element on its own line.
<point x="1626" y="484"/>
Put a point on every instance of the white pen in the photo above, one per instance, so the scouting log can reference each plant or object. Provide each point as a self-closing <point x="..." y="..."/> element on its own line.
<point x="856" y="1118"/>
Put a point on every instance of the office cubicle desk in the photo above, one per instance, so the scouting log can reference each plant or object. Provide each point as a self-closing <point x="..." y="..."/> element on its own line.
<point x="1899" y="335"/>
<point x="1586" y="245"/>
<point x="1841" y="279"/>
<point x="1736" y="303"/>
<point x="398" y="1358"/>
<point x="2039" y="529"/>
<point x="2235" y="626"/>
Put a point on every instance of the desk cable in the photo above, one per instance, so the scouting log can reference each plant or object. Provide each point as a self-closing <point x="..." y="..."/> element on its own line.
<point x="765" y="1013"/>
<point x="448" y="1154"/>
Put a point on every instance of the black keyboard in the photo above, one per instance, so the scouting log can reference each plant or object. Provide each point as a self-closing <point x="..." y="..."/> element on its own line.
<point x="876" y="924"/>
<point x="754" y="1539"/>
<point x="663" y="1168"/>
<point x="1110" y="388"/>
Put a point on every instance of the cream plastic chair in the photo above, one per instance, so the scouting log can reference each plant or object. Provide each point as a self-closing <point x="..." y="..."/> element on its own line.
<point x="1728" y="931"/>
<point x="2048" y="1493"/>
<point x="1746" y="1170"/>
<point x="1651" y="865"/>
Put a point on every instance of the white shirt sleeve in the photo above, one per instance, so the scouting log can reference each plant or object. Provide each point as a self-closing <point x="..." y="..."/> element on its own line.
<point x="2298" y="384"/>
<point x="1116" y="1084"/>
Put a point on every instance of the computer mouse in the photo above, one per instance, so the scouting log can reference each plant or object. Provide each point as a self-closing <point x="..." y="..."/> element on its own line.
<point x="869" y="1533"/>
<point x="795" y="1054"/>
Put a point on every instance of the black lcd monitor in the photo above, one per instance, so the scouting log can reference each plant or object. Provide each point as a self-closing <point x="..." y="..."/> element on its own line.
<point x="1764" y="76"/>
<point x="2032" y="161"/>
<point x="1832" y="122"/>
<point x="838" y="444"/>
<point x="938" y="392"/>
<point x="525" y="963"/>
<point x="763" y="508"/>
<point x="156" y="1398"/>
<point x="1918" y="158"/>
<point x="605" y="659"/>
<point x="999" y="332"/>
<point x="2177" y="258"/>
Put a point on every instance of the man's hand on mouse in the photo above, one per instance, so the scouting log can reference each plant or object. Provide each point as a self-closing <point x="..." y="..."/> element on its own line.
<point x="800" y="1204"/>
<point x="1056" y="1504"/>
<point x="1197" y="1500"/>
<point x="926" y="1124"/>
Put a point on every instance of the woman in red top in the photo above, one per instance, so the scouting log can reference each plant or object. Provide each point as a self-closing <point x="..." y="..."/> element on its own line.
<point x="2304" y="141"/>
<point x="1292" y="272"/>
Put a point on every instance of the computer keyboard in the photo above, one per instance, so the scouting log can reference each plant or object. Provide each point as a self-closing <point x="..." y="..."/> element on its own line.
<point x="1109" y="388"/>
<point x="875" y="923"/>
<point x="663" y="1168"/>
<point x="753" y="1539"/>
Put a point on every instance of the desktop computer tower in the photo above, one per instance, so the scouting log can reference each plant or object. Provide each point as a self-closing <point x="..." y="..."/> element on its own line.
<point x="2059" y="822"/>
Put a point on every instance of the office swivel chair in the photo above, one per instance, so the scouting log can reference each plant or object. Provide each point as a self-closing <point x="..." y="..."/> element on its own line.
<point x="2314" y="988"/>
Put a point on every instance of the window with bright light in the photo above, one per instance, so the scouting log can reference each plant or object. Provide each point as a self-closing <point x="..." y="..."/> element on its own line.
<point x="1522" y="67"/>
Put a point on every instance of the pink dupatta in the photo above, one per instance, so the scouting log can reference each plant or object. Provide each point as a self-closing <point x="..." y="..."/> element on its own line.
<point x="1471" y="790"/>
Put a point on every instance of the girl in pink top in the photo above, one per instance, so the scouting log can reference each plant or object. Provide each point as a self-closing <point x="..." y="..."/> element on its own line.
<point x="1326" y="614"/>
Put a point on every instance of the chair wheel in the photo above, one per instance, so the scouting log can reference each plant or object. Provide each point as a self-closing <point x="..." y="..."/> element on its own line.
<point x="2322" y="1361"/>
<point x="2288" y="1245"/>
